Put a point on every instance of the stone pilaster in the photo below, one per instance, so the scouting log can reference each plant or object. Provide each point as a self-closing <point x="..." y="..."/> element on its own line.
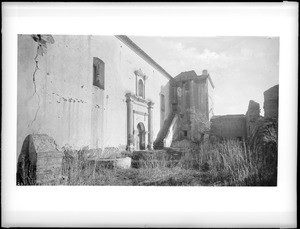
<point x="130" y="137"/>
<point x="150" y="125"/>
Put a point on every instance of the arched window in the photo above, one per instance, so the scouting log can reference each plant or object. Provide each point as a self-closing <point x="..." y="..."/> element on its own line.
<point x="98" y="73"/>
<point x="141" y="88"/>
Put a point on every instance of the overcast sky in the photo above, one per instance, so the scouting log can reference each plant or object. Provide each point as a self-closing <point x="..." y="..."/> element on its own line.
<point x="242" y="68"/>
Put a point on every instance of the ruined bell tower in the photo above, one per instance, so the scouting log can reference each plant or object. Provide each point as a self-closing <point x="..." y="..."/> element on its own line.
<point x="192" y="100"/>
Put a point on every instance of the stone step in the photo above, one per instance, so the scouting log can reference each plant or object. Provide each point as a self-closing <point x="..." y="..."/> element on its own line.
<point x="158" y="145"/>
<point x="164" y="157"/>
<point x="153" y="163"/>
<point x="110" y="163"/>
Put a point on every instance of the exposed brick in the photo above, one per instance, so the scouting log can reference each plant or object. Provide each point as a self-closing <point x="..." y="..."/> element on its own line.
<point x="39" y="162"/>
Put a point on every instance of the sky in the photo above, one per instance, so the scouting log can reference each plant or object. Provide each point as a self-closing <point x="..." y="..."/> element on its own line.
<point x="241" y="68"/>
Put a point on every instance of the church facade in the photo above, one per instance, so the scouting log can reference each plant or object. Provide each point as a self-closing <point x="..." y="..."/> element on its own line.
<point x="103" y="91"/>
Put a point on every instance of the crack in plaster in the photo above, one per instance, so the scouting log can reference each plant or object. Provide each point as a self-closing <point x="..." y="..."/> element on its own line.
<point x="34" y="83"/>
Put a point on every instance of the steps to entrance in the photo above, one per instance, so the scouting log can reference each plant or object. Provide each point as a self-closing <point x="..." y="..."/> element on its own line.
<point x="110" y="163"/>
<point x="155" y="158"/>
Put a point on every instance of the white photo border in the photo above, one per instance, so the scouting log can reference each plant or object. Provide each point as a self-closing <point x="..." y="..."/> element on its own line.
<point x="153" y="206"/>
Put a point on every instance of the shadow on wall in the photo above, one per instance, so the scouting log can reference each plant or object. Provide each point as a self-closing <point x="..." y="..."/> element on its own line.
<point x="164" y="103"/>
<point x="166" y="116"/>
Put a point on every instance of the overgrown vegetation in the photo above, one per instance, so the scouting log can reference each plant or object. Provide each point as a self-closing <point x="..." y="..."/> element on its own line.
<point x="218" y="163"/>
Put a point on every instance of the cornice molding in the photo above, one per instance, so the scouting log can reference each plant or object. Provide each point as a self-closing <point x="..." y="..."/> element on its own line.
<point x="135" y="98"/>
<point x="140" y="113"/>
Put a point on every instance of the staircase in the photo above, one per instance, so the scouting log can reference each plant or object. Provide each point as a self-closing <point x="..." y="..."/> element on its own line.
<point x="159" y="142"/>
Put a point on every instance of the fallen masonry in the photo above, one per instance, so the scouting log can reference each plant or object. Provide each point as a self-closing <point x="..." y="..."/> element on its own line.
<point x="41" y="163"/>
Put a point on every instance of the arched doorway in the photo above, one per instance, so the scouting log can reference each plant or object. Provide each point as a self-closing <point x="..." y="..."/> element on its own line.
<point x="141" y="136"/>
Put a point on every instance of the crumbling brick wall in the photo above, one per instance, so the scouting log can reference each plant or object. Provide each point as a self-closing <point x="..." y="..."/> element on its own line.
<point x="229" y="126"/>
<point x="271" y="102"/>
<point x="252" y="115"/>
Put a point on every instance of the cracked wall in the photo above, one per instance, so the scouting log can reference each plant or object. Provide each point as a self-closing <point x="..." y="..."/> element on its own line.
<point x="66" y="105"/>
<point x="57" y="97"/>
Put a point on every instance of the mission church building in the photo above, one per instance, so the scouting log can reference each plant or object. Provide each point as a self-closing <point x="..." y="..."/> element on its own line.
<point x="104" y="91"/>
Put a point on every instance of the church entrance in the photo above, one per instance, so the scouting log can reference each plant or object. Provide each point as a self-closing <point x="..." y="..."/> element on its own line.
<point x="141" y="136"/>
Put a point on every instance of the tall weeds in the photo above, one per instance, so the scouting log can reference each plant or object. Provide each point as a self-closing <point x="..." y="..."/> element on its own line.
<point x="234" y="163"/>
<point x="217" y="163"/>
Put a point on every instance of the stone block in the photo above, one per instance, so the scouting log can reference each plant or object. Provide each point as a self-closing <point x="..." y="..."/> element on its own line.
<point x="123" y="163"/>
<point x="39" y="162"/>
<point x="111" y="152"/>
<point x="92" y="153"/>
<point x="110" y="163"/>
<point x="156" y="158"/>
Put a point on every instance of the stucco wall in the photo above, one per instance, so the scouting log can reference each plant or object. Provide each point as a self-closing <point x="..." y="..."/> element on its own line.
<point x="155" y="84"/>
<point x="66" y="105"/>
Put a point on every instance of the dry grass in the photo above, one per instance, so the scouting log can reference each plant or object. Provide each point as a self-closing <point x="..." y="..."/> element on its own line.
<point x="232" y="163"/>
<point x="228" y="163"/>
<point x="220" y="163"/>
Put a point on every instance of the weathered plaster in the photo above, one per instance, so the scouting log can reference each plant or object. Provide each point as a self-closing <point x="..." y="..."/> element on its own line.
<point x="70" y="108"/>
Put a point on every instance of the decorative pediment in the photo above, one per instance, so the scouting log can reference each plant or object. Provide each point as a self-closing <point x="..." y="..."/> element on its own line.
<point x="137" y="99"/>
<point x="140" y="73"/>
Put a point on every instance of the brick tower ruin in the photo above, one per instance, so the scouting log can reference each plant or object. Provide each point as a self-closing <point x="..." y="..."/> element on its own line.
<point x="192" y="100"/>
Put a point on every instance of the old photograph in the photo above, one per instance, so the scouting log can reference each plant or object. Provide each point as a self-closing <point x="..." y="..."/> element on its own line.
<point x="147" y="110"/>
<point x="144" y="115"/>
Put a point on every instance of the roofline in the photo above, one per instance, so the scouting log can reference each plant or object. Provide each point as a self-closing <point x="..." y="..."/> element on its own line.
<point x="126" y="40"/>
<point x="194" y="77"/>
